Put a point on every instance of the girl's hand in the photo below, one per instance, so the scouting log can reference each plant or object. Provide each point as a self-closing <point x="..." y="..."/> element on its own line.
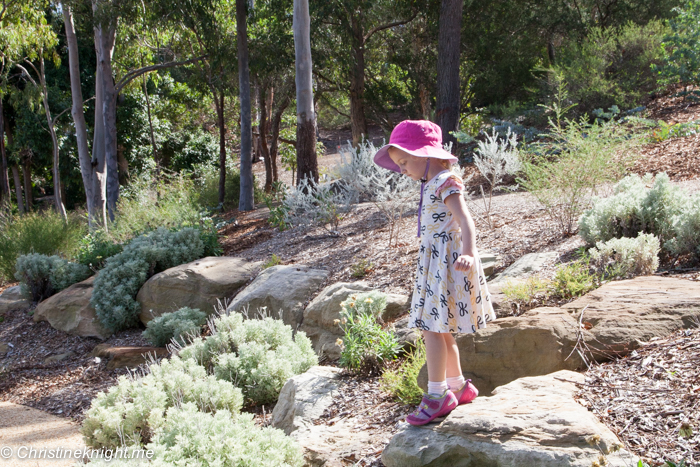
<point x="463" y="263"/>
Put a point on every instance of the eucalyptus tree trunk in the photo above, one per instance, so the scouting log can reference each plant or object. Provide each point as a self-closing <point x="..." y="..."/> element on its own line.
<point x="27" y="176"/>
<point x="275" y="134"/>
<point x="307" y="164"/>
<point x="18" y="189"/>
<point x="358" y="120"/>
<point x="54" y="139"/>
<point x="86" y="168"/>
<point x="447" y="111"/>
<point x="98" y="163"/>
<point x="262" y="129"/>
<point x="109" y="115"/>
<point x="219" y="104"/>
<point x="245" y="201"/>
<point x="4" y="175"/>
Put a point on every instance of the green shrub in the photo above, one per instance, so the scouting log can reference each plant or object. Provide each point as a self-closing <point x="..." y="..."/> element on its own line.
<point x="45" y="233"/>
<point x="146" y="204"/>
<point x="191" y="437"/>
<point x="257" y="355"/>
<point x="114" y="293"/>
<point x="612" y="66"/>
<point x="366" y="347"/>
<point x="95" y="248"/>
<point x="131" y="412"/>
<point x="681" y="60"/>
<point x="209" y="188"/>
<point x="574" y="279"/>
<point x="41" y="276"/>
<point x="177" y="325"/>
<point x="521" y="294"/>
<point x="627" y="257"/>
<point x="564" y="172"/>
<point x="402" y="382"/>
<point x="273" y="261"/>
<point x="635" y="208"/>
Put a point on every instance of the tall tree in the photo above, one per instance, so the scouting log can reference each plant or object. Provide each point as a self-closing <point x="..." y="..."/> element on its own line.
<point x="448" y="103"/>
<point x="307" y="164"/>
<point x="245" y="201"/>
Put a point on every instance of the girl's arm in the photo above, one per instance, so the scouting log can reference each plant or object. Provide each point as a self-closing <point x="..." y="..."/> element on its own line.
<point x="455" y="203"/>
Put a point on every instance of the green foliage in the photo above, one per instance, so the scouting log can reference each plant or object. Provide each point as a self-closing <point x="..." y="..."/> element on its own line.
<point x="612" y="66"/>
<point x="402" y="382"/>
<point x="95" y="248"/>
<point x="114" y="293"/>
<point x="366" y="347"/>
<point x="146" y="204"/>
<point x="257" y="355"/>
<point x="134" y="410"/>
<point x="664" y="131"/>
<point x="523" y="293"/>
<point x="574" y="279"/>
<point x="178" y="325"/>
<point x="41" y="276"/>
<point x="45" y="233"/>
<point x="361" y="268"/>
<point x="663" y="210"/>
<point x="209" y="188"/>
<point x="273" y="261"/>
<point x="681" y="58"/>
<point x="564" y="172"/>
<point x="627" y="257"/>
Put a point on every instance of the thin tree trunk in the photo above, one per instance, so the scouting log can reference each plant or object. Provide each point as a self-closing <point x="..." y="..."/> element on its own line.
<point x="109" y="109"/>
<point x="307" y="164"/>
<point x="54" y="140"/>
<point x="150" y="125"/>
<point x="245" y="201"/>
<point x="98" y="164"/>
<point x="27" y="176"/>
<point x="4" y="175"/>
<point x="447" y="111"/>
<point x="79" y="117"/>
<point x="222" y="145"/>
<point x="358" y="121"/>
<point x="275" y="134"/>
<point x="262" y="129"/>
<point x="18" y="188"/>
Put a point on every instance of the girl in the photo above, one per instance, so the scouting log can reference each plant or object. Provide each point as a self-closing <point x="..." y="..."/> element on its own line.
<point x="450" y="293"/>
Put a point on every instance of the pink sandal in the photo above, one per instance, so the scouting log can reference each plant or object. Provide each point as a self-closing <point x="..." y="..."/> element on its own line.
<point x="467" y="393"/>
<point x="432" y="407"/>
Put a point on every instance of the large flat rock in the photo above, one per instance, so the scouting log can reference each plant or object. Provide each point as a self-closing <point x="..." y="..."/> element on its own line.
<point x="530" y="422"/>
<point x="616" y="318"/>
<point x="282" y="290"/>
<point x="70" y="311"/>
<point x="198" y="284"/>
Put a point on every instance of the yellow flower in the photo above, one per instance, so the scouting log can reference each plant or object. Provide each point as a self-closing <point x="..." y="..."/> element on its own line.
<point x="336" y="322"/>
<point x="354" y="297"/>
<point x="339" y="342"/>
<point x="369" y="300"/>
<point x="344" y="320"/>
<point x="352" y="305"/>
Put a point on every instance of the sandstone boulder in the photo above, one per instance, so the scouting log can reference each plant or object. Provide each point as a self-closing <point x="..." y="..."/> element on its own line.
<point x="282" y="290"/>
<point x="488" y="261"/>
<point x="12" y="299"/>
<point x="127" y="357"/>
<point x="616" y="317"/>
<point x="530" y="422"/>
<point x="320" y="314"/>
<point x="197" y="285"/>
<point x="70" y="311"/>
<point x="302" y="402"/>
<point x="526" y="266"/>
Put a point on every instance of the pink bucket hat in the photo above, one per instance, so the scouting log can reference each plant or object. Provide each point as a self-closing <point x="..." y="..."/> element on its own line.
<point x="419" y="138"/>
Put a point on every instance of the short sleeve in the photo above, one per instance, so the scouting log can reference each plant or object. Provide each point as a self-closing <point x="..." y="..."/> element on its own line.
<point x="452" y="185"/>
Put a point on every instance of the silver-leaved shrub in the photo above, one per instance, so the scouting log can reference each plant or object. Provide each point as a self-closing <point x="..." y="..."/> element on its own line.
<point x="41" y="276"/>
<point x="116" y="286"/>
<point x="131" y="412"/>
<point x="627" y="257"/>
<point x="640" y="205"/>
<point x="191" y="437"/>
<point x="256" y="355"/>
<point x="180" y="325"/>
<point x="315" y="204"/>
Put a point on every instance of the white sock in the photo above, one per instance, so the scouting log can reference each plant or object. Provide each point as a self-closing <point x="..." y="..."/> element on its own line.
<point x="437" y="389"/>
<point x="455" y="383"/>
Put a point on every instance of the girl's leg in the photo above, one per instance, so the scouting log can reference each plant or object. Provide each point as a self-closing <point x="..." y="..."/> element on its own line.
<point x="435" y="355"/>
<point x="452" y="367"/>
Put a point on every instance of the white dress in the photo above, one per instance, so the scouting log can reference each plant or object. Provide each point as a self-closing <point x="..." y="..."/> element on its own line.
<point x="446" y="300"/>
